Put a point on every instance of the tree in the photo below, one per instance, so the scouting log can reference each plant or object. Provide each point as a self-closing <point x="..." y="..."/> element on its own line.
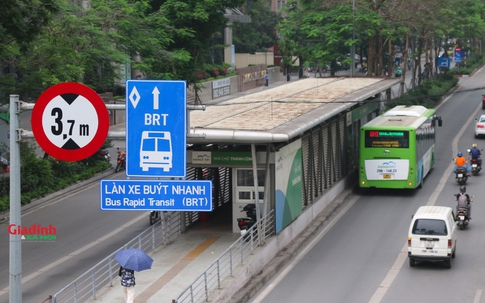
<point x="84" y="44"/>
<point x="260" y="34"/>
<point x="319" y="34"/>
<point x="195" y="25"/>
<point x="22" y="20"/>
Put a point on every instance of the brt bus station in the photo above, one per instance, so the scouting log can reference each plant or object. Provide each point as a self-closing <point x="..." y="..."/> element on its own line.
<point x="286" y="148"/>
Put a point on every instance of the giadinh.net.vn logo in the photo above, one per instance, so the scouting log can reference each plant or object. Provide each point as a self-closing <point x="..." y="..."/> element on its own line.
<point x="35" y="232"/>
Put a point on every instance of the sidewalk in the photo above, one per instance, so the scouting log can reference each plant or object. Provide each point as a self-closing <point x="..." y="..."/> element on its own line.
<point x="177" y="265"/>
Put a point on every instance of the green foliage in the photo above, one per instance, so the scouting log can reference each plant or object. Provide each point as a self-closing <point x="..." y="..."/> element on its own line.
<point x="429" y="92"/>
<point x="22" y="20"/>
<point x="260" y="34"/>
<point x="168" y="39"/>
<point x="40" y="177"/>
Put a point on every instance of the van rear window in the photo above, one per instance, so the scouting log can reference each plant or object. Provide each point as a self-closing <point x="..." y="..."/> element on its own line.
<point x="430" y="227"/>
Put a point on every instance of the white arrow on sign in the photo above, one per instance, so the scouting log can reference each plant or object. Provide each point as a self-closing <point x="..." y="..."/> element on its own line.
<point x="155" y="93"/>
<point x="134" y="97"/>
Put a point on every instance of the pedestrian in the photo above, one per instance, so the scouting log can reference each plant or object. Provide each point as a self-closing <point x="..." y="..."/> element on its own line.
<point x="267" y="79"/>
<point x="128" y="284"/>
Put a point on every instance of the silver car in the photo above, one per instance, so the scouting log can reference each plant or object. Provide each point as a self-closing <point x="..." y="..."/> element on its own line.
<point x="480" y="126"/>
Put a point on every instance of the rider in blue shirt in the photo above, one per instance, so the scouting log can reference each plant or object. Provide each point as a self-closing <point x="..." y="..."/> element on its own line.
<point x="475" y="153"/>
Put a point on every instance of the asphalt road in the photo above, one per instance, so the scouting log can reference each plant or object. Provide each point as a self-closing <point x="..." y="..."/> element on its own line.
<point x="85" y="236"/>
<point x="362" y="257"/>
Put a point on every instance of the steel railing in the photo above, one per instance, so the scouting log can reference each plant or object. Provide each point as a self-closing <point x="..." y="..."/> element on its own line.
<point x="106" y="271"/>
<point x="211" y="279"/>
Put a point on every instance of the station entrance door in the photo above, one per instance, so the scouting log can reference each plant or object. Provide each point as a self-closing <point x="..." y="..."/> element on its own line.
<point x="244" y="192"/>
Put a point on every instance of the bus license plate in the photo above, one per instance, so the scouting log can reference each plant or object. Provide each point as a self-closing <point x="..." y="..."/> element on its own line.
<point x="386" y="176"/>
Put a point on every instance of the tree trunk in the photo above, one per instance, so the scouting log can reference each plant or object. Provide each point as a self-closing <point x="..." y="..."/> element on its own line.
<point x="371" y="57"/>
<point x="405" y="60"/>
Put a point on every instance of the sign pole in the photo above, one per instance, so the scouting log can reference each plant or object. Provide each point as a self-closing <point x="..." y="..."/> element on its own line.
<point x="15" y="293"/>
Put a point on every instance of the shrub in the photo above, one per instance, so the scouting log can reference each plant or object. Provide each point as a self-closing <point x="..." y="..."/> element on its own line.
<point x="474" y="61"/>
<point x="429" y="92"/>
<point x="199" y="75"/>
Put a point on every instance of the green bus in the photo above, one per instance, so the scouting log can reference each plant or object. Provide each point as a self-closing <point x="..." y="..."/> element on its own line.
<point x="397" y="148"/>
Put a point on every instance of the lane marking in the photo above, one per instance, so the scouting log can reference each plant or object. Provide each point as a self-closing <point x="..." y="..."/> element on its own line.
<point x="293" y="263"/>
<point x="75" y="253"/>
<point x="401" y="258"/>
<point x="175" y="270"/>
<point x="478" y="295"/>
<point x="60" y="198"/>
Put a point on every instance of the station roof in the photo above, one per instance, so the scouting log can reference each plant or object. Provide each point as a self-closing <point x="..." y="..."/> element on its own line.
<point x="281" y="113"/>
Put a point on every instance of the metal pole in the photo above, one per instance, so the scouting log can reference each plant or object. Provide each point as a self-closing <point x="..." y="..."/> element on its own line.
<point x="258" y="211"/>
<point x="15" y="292"/>
<point x="255" y="180"/>
<point x="352" y="49"/>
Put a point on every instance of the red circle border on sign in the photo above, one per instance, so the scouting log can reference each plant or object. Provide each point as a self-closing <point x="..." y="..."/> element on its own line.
<point x="103" y="121"/>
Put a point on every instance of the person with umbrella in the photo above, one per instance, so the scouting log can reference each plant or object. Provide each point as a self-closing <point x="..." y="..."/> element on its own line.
<point x="131" y="260"/>
<point x="128" y="283"/>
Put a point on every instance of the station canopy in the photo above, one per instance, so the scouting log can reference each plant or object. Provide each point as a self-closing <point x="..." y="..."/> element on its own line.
<point x="283" y="112"/>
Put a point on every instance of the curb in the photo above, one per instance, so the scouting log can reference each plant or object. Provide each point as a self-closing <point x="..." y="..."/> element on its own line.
<point x="293" y="249"/>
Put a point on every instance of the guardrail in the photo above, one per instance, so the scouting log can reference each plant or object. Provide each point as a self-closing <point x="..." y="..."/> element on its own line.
<point x="105" y="272"/>
<point x="211" y="279"/>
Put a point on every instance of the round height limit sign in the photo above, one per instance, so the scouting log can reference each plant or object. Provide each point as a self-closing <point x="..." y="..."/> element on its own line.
<point x="70" y="121"/>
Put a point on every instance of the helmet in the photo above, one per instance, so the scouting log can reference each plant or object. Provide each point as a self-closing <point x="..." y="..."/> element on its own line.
<point x="459" y="154"/>
<point x="463" y="188"/>
<point x="474" y="145"/>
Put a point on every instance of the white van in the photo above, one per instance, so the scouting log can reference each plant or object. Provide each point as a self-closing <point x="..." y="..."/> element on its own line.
<point x="432" y="235"/>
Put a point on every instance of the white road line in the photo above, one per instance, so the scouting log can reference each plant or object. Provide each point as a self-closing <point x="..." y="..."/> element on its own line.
<point x="401" y="258"/>
<point x="75" y="253"/>
<point x="283" y="274"/>
<point x="478" y="295"/>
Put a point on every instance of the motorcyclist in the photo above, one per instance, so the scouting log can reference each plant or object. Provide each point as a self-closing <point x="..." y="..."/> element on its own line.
<point x="475" y="153"/>
<point x="461" y="163"/>
<point x="398" y="72"/>
<point x="463" y="200"/>
<point x="386" y="71"/>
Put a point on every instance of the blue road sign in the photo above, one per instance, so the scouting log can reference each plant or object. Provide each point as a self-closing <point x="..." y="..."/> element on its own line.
<point x="145" y="195"/>
<point x="156" y="133"/>
<point x="444" y="62"/>
<point x="458" y="57"/>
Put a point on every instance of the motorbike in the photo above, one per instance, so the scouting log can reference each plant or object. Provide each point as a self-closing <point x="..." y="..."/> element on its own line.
<point x="246" y="223"/>
<point x="104" y="153"/>
<point x="462" y="217"/>
<point x="476" y="168"/>
<point x="155" y="216"/>
<point x="461" y="176"/>
<point x="121" y="161"/>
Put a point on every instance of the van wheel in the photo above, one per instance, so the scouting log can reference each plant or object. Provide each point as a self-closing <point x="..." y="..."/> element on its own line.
<point x="448" y="263"/>
<point x="453" y="254"/>
<point x="412" y="262"/>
